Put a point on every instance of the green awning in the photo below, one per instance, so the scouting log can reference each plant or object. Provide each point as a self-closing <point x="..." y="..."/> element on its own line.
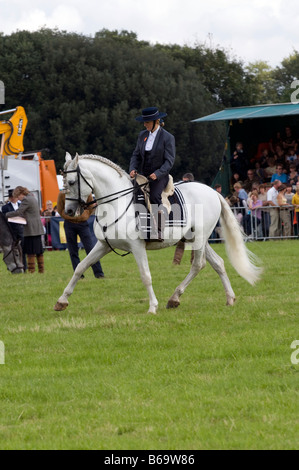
<point x="253" y="112"/>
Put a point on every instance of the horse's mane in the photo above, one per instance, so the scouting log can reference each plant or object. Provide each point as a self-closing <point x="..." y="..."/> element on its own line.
<point x="101" y="159"/>
<point x="75" y="161"/>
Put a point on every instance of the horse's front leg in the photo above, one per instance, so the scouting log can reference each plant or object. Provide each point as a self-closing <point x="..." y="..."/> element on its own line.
<point x="140" y="256"/>
<point x="99" y="250"/>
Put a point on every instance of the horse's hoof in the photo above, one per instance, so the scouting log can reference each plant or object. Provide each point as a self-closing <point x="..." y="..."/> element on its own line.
<point x="230" y="301"/>
<point x="60" y="306"/>
<point x="173" y="304"/>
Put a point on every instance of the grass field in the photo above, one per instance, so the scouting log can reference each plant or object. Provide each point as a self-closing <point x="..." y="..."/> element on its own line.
<point x="106" y="375"/>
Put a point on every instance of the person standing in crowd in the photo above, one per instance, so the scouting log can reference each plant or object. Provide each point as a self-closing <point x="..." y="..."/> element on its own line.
<point x="180" y="246"/>
<point x="241" y="194"/>
<point x="238" y="162"/>
<point x="218" y="188"/>
<point x="48" y="213"/>
<point x="274" y="229"/>
<point x="295" y="202"/>
<point x="81" y="229"/>
<point x="254" y="222"/>
<point x="17" y="229"/>
<point x="154" y="157"/>
<point x="285" y="215"/>
<point x="33" y="230"/>
<point x="262" y="195"/>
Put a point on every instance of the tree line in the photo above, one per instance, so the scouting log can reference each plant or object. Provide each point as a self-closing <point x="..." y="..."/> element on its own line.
<point x="82" y="93"/>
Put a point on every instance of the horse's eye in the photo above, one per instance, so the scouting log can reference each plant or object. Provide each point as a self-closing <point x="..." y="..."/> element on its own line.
<point x="71" y="183"/>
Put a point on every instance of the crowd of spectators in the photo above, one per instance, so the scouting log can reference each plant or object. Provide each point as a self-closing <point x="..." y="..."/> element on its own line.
<point x="264" y="187"/>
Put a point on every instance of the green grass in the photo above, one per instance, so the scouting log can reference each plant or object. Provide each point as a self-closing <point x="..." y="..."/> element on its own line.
<point x="104" y="374"/>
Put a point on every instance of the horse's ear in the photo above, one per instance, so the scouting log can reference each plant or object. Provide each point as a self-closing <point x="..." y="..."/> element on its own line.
<point x="76" y="159"/>
<point x="68" y="157"/>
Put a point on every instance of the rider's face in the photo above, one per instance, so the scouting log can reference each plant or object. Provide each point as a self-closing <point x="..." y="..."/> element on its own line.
<point x="150" y="124"/>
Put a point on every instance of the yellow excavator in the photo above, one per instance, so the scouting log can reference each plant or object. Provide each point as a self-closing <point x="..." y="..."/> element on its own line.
<point x="13" y="131"/>
<point x="26" y="169"/>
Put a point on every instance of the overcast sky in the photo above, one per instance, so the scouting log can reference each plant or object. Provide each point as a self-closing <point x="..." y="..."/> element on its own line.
<point x="250" y="29"/>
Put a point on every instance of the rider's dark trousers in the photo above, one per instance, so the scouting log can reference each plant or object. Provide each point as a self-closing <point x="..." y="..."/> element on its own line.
<point x="156" y="189"/>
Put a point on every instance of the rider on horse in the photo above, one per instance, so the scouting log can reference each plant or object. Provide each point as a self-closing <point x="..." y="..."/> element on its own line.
<point x="154" y="157"/>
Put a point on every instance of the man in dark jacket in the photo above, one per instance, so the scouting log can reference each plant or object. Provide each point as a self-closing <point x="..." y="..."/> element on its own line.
<point x="17" y="229"/>
<point x="154" y="157"/>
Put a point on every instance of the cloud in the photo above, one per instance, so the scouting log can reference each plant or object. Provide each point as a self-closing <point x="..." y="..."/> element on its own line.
<point x="251" y="29"/>
<point x="62" y="16"/>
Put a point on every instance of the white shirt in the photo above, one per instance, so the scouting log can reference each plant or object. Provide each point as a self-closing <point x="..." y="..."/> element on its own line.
<point x="15" y="205"/>
<point x="272" y="195"/>
<point x="151" y="139"/>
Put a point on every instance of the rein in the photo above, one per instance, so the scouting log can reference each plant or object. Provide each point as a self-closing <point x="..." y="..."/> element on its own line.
<point x="85" y="205"/>
<point x="118" y="194"/>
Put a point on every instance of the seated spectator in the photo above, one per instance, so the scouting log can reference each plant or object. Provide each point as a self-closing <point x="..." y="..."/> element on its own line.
<point x="293" y="177"/>
<point x="276" y="140"/>
<point x="279" y="175"/>
<point x="251" y="178"/>
<point x="289" y="140"/>
<point x="279" y="155"/>
<point x="263" y="160"/>
<point x="291" y="157"/>
<point x="270" y="170"/>
<point x="260" y="172"/>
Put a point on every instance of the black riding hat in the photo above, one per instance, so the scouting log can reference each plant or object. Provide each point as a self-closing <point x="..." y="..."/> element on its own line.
<point x="150" y="114"/>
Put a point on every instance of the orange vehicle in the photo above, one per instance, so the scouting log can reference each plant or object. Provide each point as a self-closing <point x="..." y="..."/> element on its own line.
<point x="24" y="169"/>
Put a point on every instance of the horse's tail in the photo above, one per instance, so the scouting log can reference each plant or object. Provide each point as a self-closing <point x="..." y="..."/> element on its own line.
<point x="244" y="262"/>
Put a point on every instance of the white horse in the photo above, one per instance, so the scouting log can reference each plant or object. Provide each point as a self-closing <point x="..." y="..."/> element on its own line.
<point x="115" y="227"/>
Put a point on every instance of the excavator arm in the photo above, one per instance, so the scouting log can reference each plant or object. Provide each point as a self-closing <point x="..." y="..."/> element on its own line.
<point x="13" y="131"/>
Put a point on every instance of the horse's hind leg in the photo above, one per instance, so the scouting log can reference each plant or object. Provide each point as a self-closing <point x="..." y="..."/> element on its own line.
<point x="217" y="263"/>
<point x="96" y="253"/>
<point x="198" y="264"/>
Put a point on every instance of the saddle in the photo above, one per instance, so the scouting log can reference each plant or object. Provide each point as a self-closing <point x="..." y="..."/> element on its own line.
<point x="168" y="191"/>
<point x="172" y="200"/>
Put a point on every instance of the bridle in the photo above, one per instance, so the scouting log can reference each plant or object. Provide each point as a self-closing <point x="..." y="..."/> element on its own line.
<point x="79" y="200"/>
<point x="103" y="200"/>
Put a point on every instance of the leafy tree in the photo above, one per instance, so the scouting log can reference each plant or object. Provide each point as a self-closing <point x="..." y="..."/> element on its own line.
<point x="261" y="81"/>
<point x="286" y="75"/>
<point x="82" y="93"/>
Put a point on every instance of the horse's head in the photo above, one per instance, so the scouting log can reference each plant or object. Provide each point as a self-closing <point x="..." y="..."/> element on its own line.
<point x="77" y="185"/>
